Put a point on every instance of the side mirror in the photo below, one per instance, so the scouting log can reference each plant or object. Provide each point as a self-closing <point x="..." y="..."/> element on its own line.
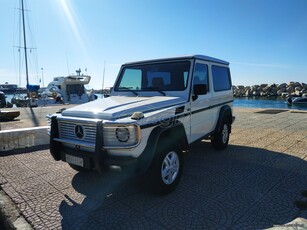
<point x="199" y="89"/>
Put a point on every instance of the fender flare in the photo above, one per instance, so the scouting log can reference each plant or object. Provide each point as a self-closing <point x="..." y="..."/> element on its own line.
<point x="224" y="114"/>
<point x="175" y="133"/>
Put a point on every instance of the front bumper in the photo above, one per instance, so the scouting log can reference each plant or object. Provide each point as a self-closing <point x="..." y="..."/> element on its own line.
<point x="96" y="159"/>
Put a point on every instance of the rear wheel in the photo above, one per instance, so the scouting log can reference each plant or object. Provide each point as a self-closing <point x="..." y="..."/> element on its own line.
<point x="221" y="138"/>
<point x="166" y="169"/>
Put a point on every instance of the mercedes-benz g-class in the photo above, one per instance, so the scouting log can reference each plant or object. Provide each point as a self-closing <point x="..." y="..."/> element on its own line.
<point x="156" y="110"/>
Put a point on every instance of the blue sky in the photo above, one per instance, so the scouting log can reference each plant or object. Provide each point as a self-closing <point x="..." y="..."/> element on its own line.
<point x="265" y="41"/>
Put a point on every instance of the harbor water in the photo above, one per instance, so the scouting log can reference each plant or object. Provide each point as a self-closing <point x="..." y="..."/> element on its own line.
<point x="266" y="103"/>
<point x="247" y="102"/>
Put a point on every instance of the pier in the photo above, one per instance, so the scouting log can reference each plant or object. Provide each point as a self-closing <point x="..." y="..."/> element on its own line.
<point x="252" y="184"/>
<point x="28" y="129"/>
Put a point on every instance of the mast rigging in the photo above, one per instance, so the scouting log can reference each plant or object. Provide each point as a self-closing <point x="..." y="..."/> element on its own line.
<point x="25" y="41"/>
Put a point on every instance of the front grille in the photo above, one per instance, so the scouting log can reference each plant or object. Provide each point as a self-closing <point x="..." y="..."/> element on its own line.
<point x="67" y="131"/>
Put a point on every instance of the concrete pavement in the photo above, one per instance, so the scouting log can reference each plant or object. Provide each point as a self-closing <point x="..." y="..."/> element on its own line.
<point x="27" y="130"/>
<point x="30" y="117"/>
<point x="250" y="185"/>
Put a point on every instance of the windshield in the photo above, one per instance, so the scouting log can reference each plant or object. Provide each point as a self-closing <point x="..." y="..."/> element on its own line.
<point x="170" y="76"/>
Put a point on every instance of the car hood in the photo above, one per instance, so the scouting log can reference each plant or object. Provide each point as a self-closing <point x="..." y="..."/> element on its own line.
<point x="116" y="107"/>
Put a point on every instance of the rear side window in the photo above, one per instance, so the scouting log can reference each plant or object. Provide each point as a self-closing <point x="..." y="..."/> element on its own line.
<point x="221" y="78"/>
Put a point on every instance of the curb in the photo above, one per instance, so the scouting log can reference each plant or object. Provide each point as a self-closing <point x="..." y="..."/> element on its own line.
<point x="23" y="138"/>
<point x="10" y="217"/>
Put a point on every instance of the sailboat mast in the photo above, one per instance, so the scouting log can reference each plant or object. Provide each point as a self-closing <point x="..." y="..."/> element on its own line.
<point x="25" y="41"/>
<point x="104" y="71"/>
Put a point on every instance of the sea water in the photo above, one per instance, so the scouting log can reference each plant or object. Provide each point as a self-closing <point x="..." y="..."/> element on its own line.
<point x="265" y="103"/>
<point x="246" y="102"/>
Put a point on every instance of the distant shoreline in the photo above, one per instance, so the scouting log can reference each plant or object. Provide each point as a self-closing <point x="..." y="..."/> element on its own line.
<point x="283" y="90"/>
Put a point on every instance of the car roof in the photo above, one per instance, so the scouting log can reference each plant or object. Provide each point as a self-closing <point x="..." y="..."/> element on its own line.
<point x="197" y="56"/>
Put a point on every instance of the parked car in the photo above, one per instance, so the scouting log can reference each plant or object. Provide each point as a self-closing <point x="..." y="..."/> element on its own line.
<point x="156" y="110"/>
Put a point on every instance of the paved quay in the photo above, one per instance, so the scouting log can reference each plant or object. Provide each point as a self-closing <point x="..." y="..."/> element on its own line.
<point x="27" y="130"/>
<point x="30" y="117"/>
<point x="250" y="185"/>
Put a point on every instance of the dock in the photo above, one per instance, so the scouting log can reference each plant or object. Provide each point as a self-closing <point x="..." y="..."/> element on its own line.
<point x="28" y="129"/>
<point x="30" y="117"/>
<point x="253" y="184"/>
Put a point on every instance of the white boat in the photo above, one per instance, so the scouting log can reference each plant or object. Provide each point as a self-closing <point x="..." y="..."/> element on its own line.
<point x="67" y="90"/>
<point x="297" y="101"/>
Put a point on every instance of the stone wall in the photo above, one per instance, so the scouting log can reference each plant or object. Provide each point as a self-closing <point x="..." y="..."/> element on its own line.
<point x="284" y="90"/>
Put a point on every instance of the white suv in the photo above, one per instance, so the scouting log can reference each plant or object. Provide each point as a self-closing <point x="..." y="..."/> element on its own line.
<point x="156" y="110"/>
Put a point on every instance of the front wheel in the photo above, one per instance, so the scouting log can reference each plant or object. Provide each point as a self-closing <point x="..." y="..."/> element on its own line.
<point x="166" y="169"/>
<point x="221" y="138"/>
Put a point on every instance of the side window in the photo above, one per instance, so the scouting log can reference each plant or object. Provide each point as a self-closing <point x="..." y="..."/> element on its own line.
<point x="201" y="75"/>
<point x="221" y="78"/>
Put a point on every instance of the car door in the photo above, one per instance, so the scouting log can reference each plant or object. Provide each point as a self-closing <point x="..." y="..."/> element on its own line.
<point x="201" y="114"/>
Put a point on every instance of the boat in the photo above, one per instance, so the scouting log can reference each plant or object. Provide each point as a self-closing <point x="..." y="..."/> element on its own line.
<point x="297" y="101"/>
<point x="11" y="88"/>
<point x="20" y="100"/>
<point x="31" y="90"/>
<point x="67" y="90"/>
<point x="62" y="90"/>
<point x="9" y="115"/>
<point x="3" y="102"/>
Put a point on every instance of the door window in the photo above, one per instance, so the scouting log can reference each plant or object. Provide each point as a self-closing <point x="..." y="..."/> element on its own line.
<point x="201" y="75"/>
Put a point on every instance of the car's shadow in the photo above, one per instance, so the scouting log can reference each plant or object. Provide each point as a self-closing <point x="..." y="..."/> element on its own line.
<point x="238" y="188"/>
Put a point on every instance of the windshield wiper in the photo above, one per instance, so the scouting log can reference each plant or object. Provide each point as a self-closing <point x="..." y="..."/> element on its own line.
<point x="132" y="91"/>
<point x="155" y="89"/>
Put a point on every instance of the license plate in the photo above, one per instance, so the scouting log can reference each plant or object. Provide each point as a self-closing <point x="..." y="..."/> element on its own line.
<point x="74" y="160"/>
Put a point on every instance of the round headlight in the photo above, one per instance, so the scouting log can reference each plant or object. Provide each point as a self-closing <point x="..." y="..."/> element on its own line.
<point x="122" y="134"/>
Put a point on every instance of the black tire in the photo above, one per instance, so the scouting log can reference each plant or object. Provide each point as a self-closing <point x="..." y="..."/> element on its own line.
<point x="79" y="168"/>
<point x="221" y="138"/>
<point x="164" y="180"/>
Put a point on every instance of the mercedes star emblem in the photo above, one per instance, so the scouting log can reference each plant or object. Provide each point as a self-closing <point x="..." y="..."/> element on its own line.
<point x="79" y="131"/>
